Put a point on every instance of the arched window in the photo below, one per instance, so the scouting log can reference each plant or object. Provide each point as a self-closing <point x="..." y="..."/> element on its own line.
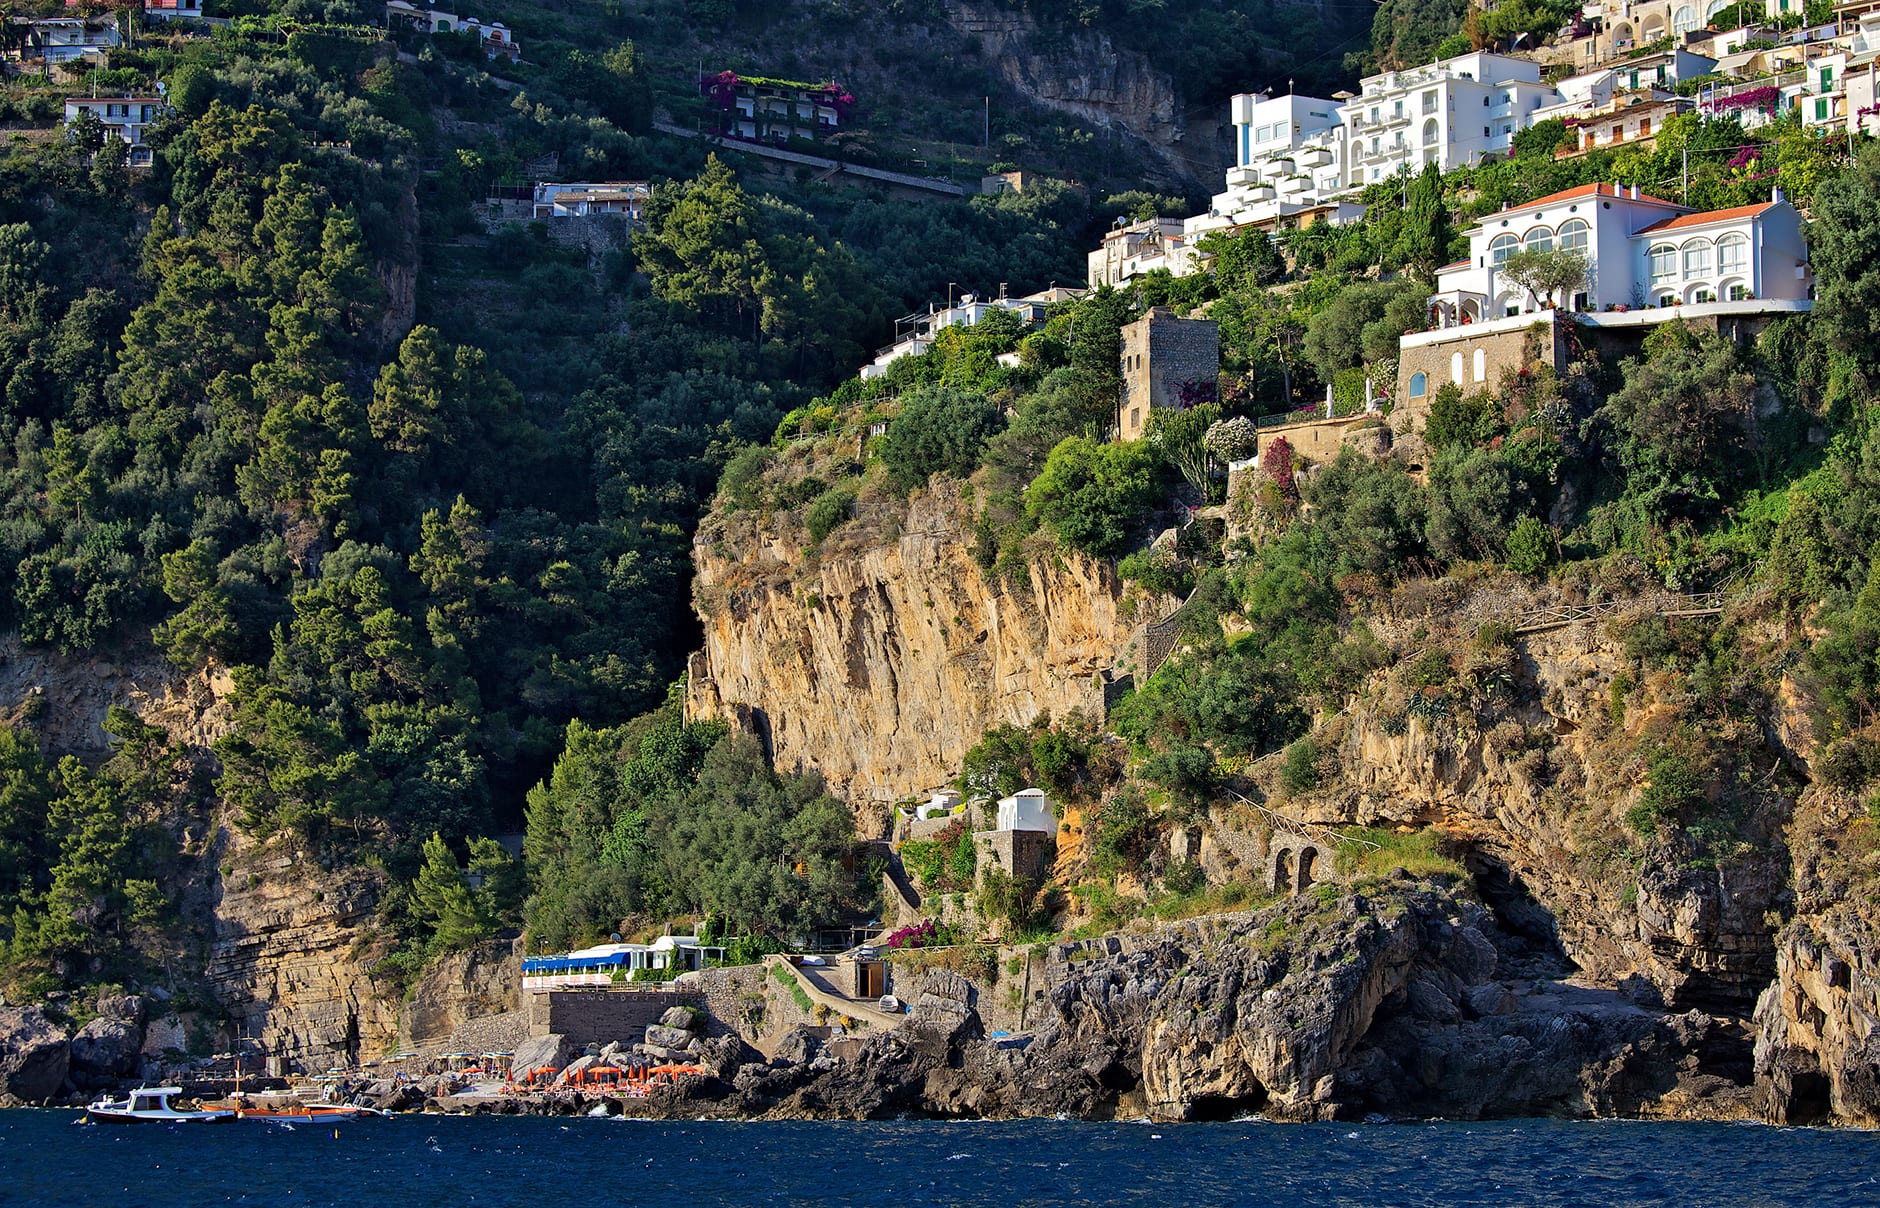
<point x="1715" y="7"/>
<point x="1540" y="239"/>
<point x="1429" y="132"/>
<point x="1573" y="235"/>
<point x="1697" y="258"/>
<point x="1419" y="385"/>
<point x="1664" y="259"/>
<point x="1455" y="368"/>
<point x="1503" y="247"/>
<point x="1684" y="20"/>
<point x="1481" y="365"/>
<point x="1733" y="254"/>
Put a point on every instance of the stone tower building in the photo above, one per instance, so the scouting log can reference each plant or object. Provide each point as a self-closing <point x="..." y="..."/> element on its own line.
<point x="1162" y="352"/>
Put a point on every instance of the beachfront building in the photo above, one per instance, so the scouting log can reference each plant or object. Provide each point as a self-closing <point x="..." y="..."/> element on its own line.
<point x="607" y="964"/>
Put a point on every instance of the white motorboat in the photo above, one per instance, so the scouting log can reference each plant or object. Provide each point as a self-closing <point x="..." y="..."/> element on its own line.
<point x="151" y="1104"/>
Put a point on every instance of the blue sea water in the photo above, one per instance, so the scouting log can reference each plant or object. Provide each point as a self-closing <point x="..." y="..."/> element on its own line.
<point x="546" y="1163"/>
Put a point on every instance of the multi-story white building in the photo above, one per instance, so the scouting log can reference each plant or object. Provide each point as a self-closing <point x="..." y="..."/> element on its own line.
<point x="1641" y="251"/>
<point x="1135" y="249"/>
<point x="914" y="334"/>
<point x="128" y="117"/>
<point x="1451" y="113"/>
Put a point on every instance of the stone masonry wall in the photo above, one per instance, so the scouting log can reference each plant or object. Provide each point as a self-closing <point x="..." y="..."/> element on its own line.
<point x="1160" y="352"/>
<point x="1502" y="351"/>
<point x="601" y="1016"/>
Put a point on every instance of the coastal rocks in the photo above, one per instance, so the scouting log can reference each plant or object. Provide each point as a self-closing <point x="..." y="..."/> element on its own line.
<point x="907" y="652"/>
<point x="671" y="1038"/>
<point x="34" y="1054"/>
<point x="553" y="1051"/>
<point x="1818" y="1025"/>
<point x="106" y="1049"/>
<point x="1318" y="1008"/>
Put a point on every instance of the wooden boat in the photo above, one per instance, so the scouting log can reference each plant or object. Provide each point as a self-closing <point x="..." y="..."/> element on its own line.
<point x="297" y="1113"/>
<point x="151" y="1105"/>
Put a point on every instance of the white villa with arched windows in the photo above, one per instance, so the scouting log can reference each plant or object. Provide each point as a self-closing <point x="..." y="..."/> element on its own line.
<point x="1649" y="261"/>
<point x="1641" y="251"/>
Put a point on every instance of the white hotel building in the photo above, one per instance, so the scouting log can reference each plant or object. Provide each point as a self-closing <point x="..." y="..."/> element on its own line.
<point x="1298" y="159"/>
<point x="1642" y="252"/>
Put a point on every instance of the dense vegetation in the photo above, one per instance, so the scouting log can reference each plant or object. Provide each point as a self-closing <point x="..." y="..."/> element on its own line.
<point x="282" y="407"/>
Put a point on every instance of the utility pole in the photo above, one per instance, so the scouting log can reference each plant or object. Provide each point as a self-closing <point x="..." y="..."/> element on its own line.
<point x="1684" y="179"/>
<point x="988" y="142"/>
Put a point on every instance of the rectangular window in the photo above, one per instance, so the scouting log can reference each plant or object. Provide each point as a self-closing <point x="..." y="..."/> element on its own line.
<point x="1738" y="293"/>
<point x="1697" y="260"/>
<point x="1821" y="110"/>
<point x="1827" y="78"/>
<point x="1429" y="102"/>
<point x="1732" y="254"/>
<point x="1644" y="127"/>
<point x="1398" y="111"/>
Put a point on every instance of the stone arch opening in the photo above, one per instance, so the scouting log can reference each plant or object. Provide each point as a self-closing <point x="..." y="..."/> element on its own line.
<point x="1283" y="871"/>
<point x="1308" y="861"/>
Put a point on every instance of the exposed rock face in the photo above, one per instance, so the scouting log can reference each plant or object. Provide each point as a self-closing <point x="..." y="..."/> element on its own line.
<point x="1382" y="1000"/>
<point x="289" y="961"/>
<point x="105" y="1049"/>
<point x="34" y="1054"/>
<point x="1087" y="76"/>
<point x="1681" y="937"/>
<point x="1818" y="1023"/>
<point x="487" y="980"/>
<point x="883" y="663"/>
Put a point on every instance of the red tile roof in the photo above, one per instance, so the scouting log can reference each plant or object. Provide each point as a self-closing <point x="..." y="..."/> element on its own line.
<point x="1706" y="218"/>
<point x="1595" y="190"/>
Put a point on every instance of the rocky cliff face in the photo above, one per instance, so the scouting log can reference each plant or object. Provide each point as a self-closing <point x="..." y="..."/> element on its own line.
<point x="1087" y="76"/>
<point x="291" y="951"/>
<point x="1383" y="998"/>
<point x="1537" y="791"/>
<point x="880" y="662"/>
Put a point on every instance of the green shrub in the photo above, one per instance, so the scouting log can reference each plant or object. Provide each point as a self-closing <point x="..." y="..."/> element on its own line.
<point x="1096" y="495"/>
<point x="1530" y="546"/>
<point x="1299" y="769"/>
<point x="1156" y="570"/>
<point x="939" y="431"/>
<point x="1672" y="789"/>
<point x="829" y="512"/>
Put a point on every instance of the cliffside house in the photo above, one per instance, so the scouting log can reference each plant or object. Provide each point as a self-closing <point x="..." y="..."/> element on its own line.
<point x="58" y="40"/>
<point x="496" y="39"/>
<point x="1649" y="261"/>
<point x="588" y="199"/>
<point x="172" y="10"/>
<point x="1167" y="361"/>
<point x="767" y="110"/>
<point x="914" y="334"/>
<point x="1134" y="249"/>
<point x="128" y="117"/>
